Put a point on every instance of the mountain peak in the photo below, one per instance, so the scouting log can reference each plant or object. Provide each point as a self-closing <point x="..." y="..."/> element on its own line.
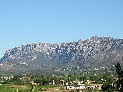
<point x="92" y="53"/>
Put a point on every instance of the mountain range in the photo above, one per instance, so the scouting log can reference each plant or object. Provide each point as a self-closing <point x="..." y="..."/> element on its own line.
<point x="96" y="53"/>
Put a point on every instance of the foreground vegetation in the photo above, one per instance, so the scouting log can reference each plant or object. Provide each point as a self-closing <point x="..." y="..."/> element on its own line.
<point x="63" y="82"/>
<point x="43" y="82"/>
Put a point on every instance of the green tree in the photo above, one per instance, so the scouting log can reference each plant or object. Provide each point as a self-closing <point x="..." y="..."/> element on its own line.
<point x="107" y="87"/>
<point x="120" y="77"/>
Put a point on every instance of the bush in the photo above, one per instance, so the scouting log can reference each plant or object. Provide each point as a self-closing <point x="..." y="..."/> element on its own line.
<point x="107" y="87"/>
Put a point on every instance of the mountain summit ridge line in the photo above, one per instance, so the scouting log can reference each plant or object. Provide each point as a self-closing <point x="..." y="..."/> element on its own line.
<point x="96" y="52"/>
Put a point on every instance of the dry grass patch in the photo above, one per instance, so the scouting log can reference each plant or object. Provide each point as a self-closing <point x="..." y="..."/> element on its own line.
<point x="17" y="86"/>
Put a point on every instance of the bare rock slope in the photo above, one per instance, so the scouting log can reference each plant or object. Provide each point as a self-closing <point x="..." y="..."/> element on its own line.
<point x="93" y="53"/>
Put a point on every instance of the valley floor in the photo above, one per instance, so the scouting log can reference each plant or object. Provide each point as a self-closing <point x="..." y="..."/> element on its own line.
<point x="20" y="88"/>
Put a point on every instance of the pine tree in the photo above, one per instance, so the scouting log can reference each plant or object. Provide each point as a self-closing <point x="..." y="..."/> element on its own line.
<point x="120" y="77"/>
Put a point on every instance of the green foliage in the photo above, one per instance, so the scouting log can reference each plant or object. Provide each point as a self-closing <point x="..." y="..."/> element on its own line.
<point x="44" y="81"/>
<point x="15" y="80"/>
<point x="9" y="88"/>
<point x="120" y="77"/>
<point x="106" y="87"/>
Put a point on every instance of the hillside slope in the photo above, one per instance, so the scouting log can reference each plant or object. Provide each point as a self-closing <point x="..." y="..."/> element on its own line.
<point x="93" y="53"/>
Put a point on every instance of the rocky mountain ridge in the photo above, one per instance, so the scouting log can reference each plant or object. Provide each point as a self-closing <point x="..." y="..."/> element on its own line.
<point x="93" y="53"/>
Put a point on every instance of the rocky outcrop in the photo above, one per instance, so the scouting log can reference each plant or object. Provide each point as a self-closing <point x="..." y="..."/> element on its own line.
<point x="91" y="53"/>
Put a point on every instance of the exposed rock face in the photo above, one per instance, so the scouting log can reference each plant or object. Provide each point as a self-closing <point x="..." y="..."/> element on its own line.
<point x="95" y="52"/>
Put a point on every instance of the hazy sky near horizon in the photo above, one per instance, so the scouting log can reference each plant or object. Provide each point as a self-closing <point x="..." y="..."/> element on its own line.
<point x="56" y="21"/>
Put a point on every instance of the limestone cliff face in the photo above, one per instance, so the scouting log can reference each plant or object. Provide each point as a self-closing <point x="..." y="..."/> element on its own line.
<point x="91" y="53"/>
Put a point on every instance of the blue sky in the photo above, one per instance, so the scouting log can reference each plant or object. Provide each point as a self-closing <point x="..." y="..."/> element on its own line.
<point x="56" y="21"/>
